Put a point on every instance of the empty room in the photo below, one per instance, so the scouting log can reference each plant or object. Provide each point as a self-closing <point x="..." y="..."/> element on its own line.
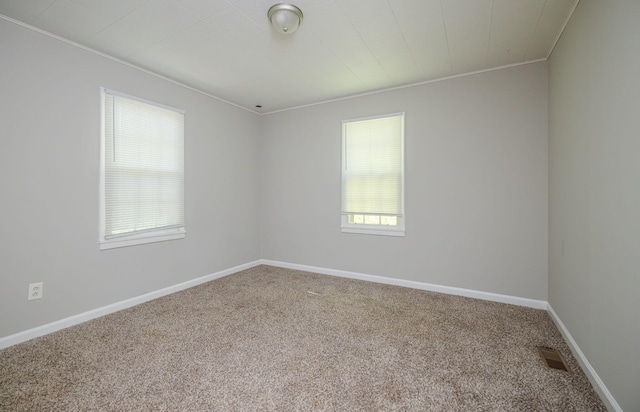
<point x="368" y="205"/>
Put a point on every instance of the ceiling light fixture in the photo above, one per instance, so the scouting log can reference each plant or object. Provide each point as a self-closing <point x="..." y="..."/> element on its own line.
<point x="285" y="18"/>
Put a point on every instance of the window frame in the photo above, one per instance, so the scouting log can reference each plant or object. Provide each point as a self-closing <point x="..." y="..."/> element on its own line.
<point x="142" y="237"/>
<point x="375" y="229"/>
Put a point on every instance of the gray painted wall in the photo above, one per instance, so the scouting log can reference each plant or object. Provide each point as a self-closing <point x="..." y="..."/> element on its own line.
<point x="476" y="184"/>
<point x="594" y="196"/>
<point x="476" y="166"/>
<point x="49" y="175"/>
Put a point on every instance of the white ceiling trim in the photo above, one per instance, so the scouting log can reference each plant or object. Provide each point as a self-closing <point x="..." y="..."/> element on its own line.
<point x="152" y="73"/>
<point x="564" y="26"/>
<point x="115" y="59"/>
<point x="226" y="50"/>
<point x="440" y="79"/>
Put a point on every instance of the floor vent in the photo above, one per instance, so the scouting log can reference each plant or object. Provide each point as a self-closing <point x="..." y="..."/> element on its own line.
<point x="553" y="359"/>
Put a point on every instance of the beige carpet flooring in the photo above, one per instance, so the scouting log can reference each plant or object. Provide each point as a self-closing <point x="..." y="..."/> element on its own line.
<point x="282" y="340"/>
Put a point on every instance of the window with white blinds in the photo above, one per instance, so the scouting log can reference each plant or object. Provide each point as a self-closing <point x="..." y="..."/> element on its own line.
<point x="373" y="175"/>
<point x="142" y="172"/>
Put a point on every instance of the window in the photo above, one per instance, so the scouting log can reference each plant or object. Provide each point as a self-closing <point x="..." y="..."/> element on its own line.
<point x="373" y="175"/>
<point x="141" y="172"/>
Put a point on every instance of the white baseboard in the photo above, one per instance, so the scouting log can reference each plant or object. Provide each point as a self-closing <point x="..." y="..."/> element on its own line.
<point x="114" y="307"/>
<point x="26" y="335"/>
<point x="494" y="297"/>
<point x="596" y="382"/>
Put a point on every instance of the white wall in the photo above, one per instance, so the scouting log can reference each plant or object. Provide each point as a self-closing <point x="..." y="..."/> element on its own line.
<point x="476" y="166"/>
<point x="594" y="196"/>
<point x="476" y="184"/>
<point x="476" y="169"/>
<point x="49" y="175"/>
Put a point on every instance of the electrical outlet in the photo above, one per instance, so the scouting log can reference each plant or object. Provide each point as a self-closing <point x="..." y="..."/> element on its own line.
<point x="35" y="290"/>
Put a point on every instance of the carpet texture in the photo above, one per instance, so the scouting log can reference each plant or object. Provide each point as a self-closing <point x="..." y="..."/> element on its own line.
<point x="276" y="339"/>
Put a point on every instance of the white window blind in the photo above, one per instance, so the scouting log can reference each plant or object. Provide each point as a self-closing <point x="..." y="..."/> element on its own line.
<point x="143" y="170"/>
<point x="373" y="166"/>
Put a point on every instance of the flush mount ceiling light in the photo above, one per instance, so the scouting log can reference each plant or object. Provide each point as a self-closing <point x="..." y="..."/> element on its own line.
<point x="285" y="18"/>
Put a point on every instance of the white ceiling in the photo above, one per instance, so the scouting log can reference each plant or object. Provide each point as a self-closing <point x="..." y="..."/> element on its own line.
<point x="226" y="48"/>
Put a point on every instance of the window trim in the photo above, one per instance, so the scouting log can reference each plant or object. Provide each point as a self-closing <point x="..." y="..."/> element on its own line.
<point x="139" y="238"/>
<point x="142" y="238"/>
<point x="364" y="229"/>
<point x="382" y="230"/>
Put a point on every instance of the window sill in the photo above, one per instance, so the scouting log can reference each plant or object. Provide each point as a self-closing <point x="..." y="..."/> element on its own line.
<point x="373" y="231"/>
<point x="140" y="240"/>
